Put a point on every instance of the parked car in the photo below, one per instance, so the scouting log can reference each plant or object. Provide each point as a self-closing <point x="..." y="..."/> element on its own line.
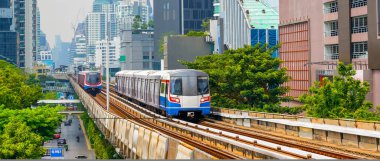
<point x="61" y="142"/>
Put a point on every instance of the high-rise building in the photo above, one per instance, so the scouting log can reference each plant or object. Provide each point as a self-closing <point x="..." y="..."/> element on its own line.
<point x="114" y="55"/>
<point x="127" y="10"/>
<point x="61" y="52"/>
<point x="8" y="37"/>
<point x="179" y="17"/>
<point x="243" y="22"/>
<point x="80" y="55"/>
<point x="96" y="30"/>
<point x="353" y="38"/>
<point x="137" y="50"/>
<point x="96" y="21"/>
<point x="25" y="20"/>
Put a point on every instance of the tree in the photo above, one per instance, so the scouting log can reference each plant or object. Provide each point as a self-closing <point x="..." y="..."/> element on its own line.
<point x="344" y="97"/>
<point x="248" y="77"/>
<point x="206" y="24"/>
<point x="196" y="33"/>
<point x="16" y="92"/>
<point x="144" y="26"/>
<point x="151" y="24"/>
<point x="136" y="22"/>
<point x="50" y="96"/>
<point x="42" y="120"/>
<point x="19" y="142"/>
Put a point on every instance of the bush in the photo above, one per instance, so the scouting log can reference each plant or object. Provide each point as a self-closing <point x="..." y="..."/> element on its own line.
<point x="103" y="149"/>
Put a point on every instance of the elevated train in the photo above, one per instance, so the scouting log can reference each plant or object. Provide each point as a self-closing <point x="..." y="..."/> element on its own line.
<point x="172" y="93"/>
<point x="90" y="81"/>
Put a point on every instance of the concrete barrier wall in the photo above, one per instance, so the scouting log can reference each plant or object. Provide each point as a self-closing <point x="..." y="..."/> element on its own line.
<point x="348" y="140"/>
<point x="133" y="140"/>
<point x="338" y="122"/>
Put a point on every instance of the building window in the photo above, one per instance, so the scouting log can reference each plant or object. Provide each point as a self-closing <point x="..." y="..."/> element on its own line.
<point x="331" y="7"/>
<point x="331" y="28"/>
<point x="332" y="52"/>
<point x="359" y="24"/>
<point x="358" y="3"/>
<point x="359" y="50"/>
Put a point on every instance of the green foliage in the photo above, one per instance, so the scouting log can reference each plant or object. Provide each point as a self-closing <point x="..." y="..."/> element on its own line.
<point x="144" y="26"/>
<point x="103" y="149"/>
<point x="137" y="23"/>
<point x="196" y="33"/>
<point x="162" y="43"/>
<point x="206" y="24"/>
<point x="50" y="96"/>
<point x="42" y="120"/>
<point x="19" y="142"/>
<point x="17" y="90"/>
<point x="344" y="97"/>
<point x="151" y="24"/>
<point x="248" y="77"/>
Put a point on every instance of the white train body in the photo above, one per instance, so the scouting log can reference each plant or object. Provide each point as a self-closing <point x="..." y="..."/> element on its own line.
<point x="173" y="92"/>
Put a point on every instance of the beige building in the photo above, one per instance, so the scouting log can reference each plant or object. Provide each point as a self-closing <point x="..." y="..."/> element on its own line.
<point x="317" y="34"/>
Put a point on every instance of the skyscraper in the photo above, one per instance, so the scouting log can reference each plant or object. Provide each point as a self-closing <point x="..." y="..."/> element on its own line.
<point x="25" y="19"/>
<point x="103" y="12"/>
<point x="179" y="17"/>
<point x="8" y="37"/>
<point x="127" y="10"/>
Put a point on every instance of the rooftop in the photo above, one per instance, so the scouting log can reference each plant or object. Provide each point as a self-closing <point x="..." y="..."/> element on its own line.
<point x="261" y="14"/>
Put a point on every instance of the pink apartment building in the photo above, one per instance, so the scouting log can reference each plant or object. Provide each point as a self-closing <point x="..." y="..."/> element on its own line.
<point x="316" y="34"/>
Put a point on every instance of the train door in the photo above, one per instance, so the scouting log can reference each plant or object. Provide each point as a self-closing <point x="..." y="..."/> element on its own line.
<point x="163" y="95"/>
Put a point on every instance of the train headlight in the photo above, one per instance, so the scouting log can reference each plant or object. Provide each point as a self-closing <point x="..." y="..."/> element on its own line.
<point x="205" y="99"/>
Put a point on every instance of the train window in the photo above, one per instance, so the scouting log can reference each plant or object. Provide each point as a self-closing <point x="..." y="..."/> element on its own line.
<point x="93" y="78"/>
<point x="162" y="88"/>
<point x="189" y="86"/>
<point x="176" y="86"/>
<point x="203" y="87"/>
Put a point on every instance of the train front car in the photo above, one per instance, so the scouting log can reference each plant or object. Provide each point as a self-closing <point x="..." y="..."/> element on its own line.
<point x="91" y="81"/>
<point x="185" y="93"/>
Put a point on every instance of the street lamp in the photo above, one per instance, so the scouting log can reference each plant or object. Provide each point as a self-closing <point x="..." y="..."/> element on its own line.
<point x="107" y="60"/>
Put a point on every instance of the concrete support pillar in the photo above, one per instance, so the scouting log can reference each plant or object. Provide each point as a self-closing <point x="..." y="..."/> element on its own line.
<point x="376" y="87"/>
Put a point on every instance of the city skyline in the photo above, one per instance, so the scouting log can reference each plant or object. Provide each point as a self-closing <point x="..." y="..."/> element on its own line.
<point x="54" y="23"/>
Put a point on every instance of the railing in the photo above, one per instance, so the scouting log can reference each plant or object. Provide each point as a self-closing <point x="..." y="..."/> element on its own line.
<point x="331" y="33"/>
<point x="359" y="29"/>
<point x="331" y="56"/>
<point x="331" y="9"/>
<point x="358" y="3"/>
<point x="359" y="55"/>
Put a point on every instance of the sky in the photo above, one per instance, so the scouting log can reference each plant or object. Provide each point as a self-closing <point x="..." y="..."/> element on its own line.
<point x="58" y="16"/>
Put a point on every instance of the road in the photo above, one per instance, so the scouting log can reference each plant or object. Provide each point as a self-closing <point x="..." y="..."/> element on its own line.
<point x="75" y="148"/>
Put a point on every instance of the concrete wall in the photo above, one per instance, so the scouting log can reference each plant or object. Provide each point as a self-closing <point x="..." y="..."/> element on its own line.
<point x="134" y="47"/>
<point x="303" y="44"/>
<point x="183" y="48"/>
<point x="166" y="20"/>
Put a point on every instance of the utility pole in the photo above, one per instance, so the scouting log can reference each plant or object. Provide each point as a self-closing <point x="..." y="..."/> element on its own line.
<point x="107" y="62"/>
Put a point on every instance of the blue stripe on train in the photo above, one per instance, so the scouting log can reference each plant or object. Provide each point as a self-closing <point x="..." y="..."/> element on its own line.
<point x="89" y="87"/>
<point x="172" y="109"/>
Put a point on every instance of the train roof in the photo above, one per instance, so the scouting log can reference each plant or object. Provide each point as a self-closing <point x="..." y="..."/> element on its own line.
<point x="85" y="72"/>
<point x="165" y="73"/>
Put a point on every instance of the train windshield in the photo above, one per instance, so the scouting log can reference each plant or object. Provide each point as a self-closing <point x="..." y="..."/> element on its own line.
<point x="93" y="78"/>
<point x="189" y="86"/>
<point x="203" y="86"/>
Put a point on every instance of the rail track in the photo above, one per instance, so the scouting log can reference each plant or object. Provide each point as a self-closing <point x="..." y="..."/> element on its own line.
<point x="257" y="134"/>
<point x="122" y="112"/>
<point x="318" y="148"/>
